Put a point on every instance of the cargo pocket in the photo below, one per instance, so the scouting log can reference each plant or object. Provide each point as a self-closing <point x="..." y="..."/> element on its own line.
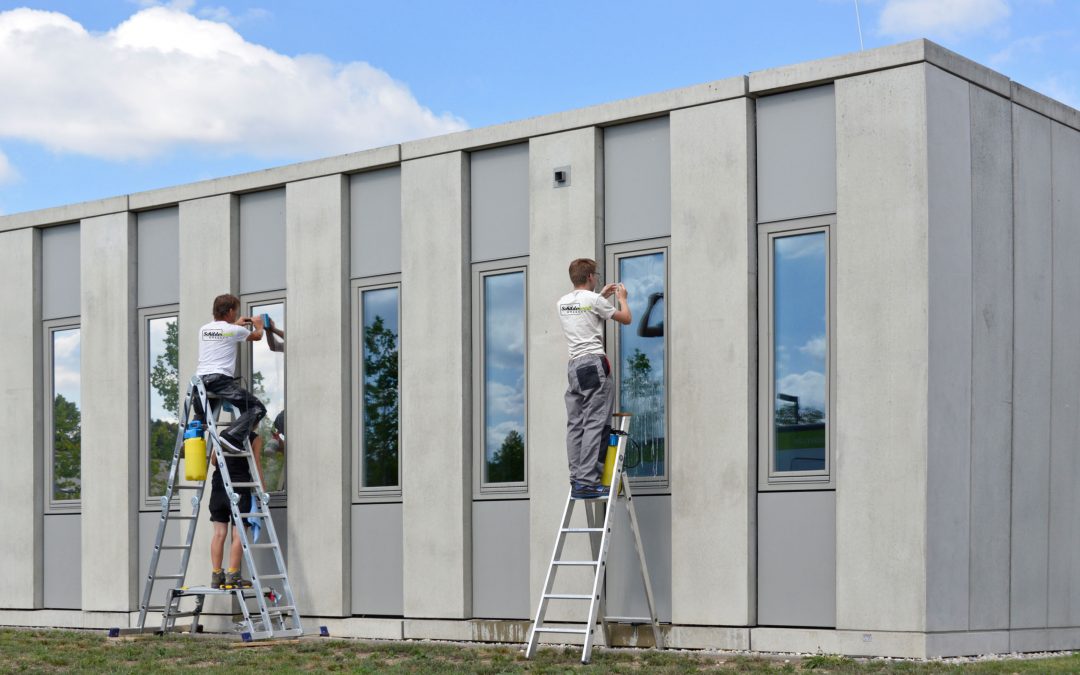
<point x="588" y="378"/>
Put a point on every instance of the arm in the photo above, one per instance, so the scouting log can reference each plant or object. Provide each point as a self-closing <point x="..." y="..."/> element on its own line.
<point x="255" y="321"/>
<point x="622" y="314"/>
<point x="256" y="449"/>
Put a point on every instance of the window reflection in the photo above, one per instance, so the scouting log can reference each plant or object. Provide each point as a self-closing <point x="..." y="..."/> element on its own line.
<point x="268" y="385"/>
<point x="380" y="433"/>
<point x="163" y="365"/>
<point x="66" y="415"/>
<point x="800" y="352"/>
<point x="642" y="378"/>
<point x="504" y="377"/>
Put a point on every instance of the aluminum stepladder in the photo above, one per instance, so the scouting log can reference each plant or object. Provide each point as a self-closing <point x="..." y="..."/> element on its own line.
<point x="268" y="619"/>
<point x="620" y="492"/>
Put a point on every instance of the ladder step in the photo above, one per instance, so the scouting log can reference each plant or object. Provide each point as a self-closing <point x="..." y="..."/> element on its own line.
<point x="182" y="517"/>
<point x="254" y="514"/>
<point x="580" y="530"/>
<point x="270" y="545"/>
<point x="629" y="619"/>
<point x="577" y="563"/>
<point x="556" y="629"/>
<point x="159" y="577"/>
<point x="197" y="486"/>
<point x="245" y="485"/>
<point x="567" y="596"/>
<point x="283" y="609"/>
<point x="175" y="547"/>
<point x="271" y="576"/>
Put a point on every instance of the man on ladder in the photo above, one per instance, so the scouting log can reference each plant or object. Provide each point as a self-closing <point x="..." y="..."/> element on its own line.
<point x="590" y="392"/>
<point x="218" y="341"/>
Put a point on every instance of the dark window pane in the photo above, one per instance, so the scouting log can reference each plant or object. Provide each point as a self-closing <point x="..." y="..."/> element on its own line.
<point x="504" y="377"/>
<point x="379" y="442"/>
<point x="66" y="418"/>
<point x="163" y="366"/>
<point x="800" y="351"/>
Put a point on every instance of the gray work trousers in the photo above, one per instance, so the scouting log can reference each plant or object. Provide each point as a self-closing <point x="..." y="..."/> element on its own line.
<point x="590" y="402"/>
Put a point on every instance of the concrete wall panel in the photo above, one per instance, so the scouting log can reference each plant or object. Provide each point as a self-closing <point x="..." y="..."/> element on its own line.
<point x="501" y="559"/>
<point x="625" y="590"/>
<point x="1064" y="553"/>
<point x="564" y="223"/>
<point x="169" y="562"/>
<point x="318" y="391"/>
<point x="159" y="260"/>
<point x="881" y="283"/>
<point x="110" y="429"/>
<point x="499" y="205"/>
<point x="991" y="368"/>
<point x="262" y="241"/>
<point x="63" y="578"/>
<point x="21" y="454"/>
<point x="797" y="558"/>
<point x="796" y="154"/>
<point x="60" y="271"/>
<point x="436" y="398"/>
<point x="637" y="180"/>
<point x="1031" y="369"/>
<point x="713" y="465"/>
<point x="948" y="490"/>
<point x="377" y="587"/>
<point x="375" y="222"/>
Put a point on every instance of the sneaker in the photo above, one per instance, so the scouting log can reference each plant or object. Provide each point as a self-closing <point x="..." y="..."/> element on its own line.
<point x="582" y="491"/>
<point x="237" y="581"/>
<point x="217" y="579"/>
<point x="229" y="446"/>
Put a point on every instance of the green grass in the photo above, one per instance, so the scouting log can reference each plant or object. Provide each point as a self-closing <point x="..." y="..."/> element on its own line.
<point x="55" y="651"/>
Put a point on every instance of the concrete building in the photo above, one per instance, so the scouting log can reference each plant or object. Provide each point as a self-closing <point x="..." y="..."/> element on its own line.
<point x="855" y="393"/>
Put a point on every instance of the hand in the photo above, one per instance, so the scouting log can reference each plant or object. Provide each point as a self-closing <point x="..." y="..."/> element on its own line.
<point x="621" y="291"/>
<point x="606" y="291"/>
<point x="257" y="321"/>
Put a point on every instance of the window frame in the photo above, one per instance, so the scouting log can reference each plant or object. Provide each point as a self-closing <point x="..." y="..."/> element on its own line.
<point x="648" y="485"/>
<point x="278" y="499"/>
<point x="146" y="315"/>
<point x="483" y="490"/>
<point x="768" y="479"/>
<point x="360" y="493"/>
<point x="50" y="327"/>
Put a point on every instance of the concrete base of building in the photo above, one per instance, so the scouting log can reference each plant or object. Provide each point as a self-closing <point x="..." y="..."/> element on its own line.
<point x="895" y="644"/>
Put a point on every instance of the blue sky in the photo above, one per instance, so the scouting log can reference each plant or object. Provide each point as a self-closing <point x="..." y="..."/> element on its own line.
<point x="116" y="96"/>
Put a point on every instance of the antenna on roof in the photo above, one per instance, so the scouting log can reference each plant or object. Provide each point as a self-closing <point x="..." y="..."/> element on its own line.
<point x="858" y="22"/>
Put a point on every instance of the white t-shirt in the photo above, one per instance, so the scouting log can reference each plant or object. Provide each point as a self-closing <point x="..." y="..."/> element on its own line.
<point x="582" y="314"/>
<point x="217" y="347"/>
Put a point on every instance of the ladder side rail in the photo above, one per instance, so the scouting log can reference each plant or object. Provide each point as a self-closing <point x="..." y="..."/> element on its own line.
<point x="595" y="538"/>
<point x="549" y="579"/>
<point x="279" y="560"/>
<point x="643" y="567"/>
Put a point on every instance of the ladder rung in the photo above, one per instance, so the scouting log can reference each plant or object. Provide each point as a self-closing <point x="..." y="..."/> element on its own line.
<point x="629" y="619"/>
<point x="270" y="545"/>
<point x="236" y="454"/>
<point x="571" y="631"/>
<point x="175" y="547"/>
<point x="576" y="563"/>
<point x="271" y="576"/>
<point x="567" y="596"/>
<point x="182" y="517"/>
<point x="155" y="608"/>
<point x="158" y="577"/>
<point x="283" y="609"/>
<point x="254" y="514"/>
<point x="197" y="486"/>
<point x="245" y="485"/>
<point x="579" y="530"/>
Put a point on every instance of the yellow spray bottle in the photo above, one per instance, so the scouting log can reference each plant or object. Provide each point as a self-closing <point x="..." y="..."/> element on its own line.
<point x="194" y="452"/>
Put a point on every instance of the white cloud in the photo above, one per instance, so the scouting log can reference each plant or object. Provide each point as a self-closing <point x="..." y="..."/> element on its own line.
<point x="505" y="400"/>
<point x="808" y="386"/>
<point x="8" y="173"/>
<point x="497" y="434"/>
<point x="225" y="15"/>
<point x="165" y="78"/>
<point x="1062" y="87"/>
<point x="815" y="347"/>
<point x="940" y="18"/>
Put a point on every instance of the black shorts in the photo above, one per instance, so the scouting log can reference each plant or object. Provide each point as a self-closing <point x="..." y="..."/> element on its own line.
<point x="220" y="509"/>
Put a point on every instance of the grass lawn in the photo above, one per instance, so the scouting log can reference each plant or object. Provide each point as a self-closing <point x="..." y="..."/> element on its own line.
<point x="55" y="650"/>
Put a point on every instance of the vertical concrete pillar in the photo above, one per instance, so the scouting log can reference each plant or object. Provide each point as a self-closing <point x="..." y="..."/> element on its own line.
<point x="317" y="282"/>
<point x="436" y="400"/>
<point x="21" y="481"/>
<point x="713" y="357"/>
<point x="209" y="238"/>
<point x="882" y="289"/>
<point x="110" y="395"/>
<point x="564" y="223"/>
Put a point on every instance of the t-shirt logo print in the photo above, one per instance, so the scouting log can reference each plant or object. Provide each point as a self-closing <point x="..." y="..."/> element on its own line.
<point x="574" y="308"/>
<point x="213" y="334"/>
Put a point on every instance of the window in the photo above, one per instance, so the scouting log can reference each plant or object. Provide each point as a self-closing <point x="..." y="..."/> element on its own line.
<point x="377" y="396"/>
<point x="267" y="382"/>
<point x="160" y="396"/>
<point x="641" y="358"/>
<point x="500" y="375"/>
<point x="796" y="348"/>
<point x="63" y="417"/>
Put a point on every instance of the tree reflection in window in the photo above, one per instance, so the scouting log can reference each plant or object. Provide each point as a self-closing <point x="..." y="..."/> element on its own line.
<point x="66" y="417"/>
<point x="380" y="431"/>
<point x="268" y="385"/>
<point x="800" y="352"/>
<point x="504" y="377"/>
<point x="642" y="376"/>
<point x="163" y="354"/>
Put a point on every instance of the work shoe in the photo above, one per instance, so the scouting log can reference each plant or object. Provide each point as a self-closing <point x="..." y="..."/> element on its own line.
<point x="217" y="579"/>
<point x="234" y="580"/>
<point x="582" y="491"/>
<point x="229" y="445"/>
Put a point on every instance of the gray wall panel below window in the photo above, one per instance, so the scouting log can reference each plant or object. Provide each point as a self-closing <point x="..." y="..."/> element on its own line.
<point x="159" y="257"/>
<point x="262" y="241"/>
<point x="501" y="559"/>
<point x="625" y="592"/>
<point x="637" y="180"/>
<point x="60" y="271"/>
<point x="170" y="560"/>
<point x="378" y="586"/>
<point x="499" y="184"/>
<point x="63" y="561"/>
<point x="796" y="154"/>
<point x="375" y="222"/>
<point x="797" y="558"/>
